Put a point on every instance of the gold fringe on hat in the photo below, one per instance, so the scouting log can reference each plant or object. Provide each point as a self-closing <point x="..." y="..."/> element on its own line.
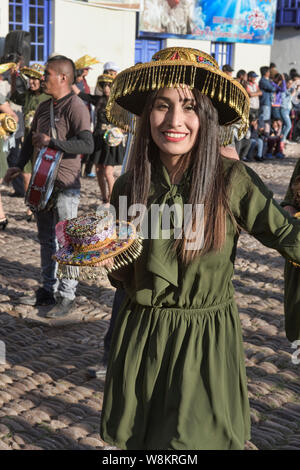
<point x="105" y="78"/>
<point x="178" y="67"/>
<point x="34" y="71"/>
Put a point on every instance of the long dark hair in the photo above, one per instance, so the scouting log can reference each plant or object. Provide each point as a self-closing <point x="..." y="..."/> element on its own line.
<point x="207" y="181"/>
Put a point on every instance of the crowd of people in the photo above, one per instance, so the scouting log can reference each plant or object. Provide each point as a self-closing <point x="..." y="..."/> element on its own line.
<point x="82" y="133"/>
<point x="176" y="377"/>
<point x="274" y="112"/>
<point x="21" y="92"/>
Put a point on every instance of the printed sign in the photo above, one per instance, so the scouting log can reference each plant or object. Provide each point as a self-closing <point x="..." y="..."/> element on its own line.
<point x="250" y="21"/>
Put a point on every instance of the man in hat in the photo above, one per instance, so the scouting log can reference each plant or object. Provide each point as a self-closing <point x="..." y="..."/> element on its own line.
<point x="72" y="124"/>
<point x="254" y="93"/>
<point x="227" y="69"/>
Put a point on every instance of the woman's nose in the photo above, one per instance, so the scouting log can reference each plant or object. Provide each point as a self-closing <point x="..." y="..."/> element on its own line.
<point x="174" y="117"/>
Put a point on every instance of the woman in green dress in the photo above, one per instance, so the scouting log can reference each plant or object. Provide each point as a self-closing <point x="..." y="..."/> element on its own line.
<point x="176" y="376"/>
<point x="29" y="101"/>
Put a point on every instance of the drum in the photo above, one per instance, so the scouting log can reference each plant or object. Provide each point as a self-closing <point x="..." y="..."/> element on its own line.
<point x="43" y="178"/>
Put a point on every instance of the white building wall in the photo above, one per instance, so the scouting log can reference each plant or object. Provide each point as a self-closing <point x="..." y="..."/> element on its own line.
<point x="286" y="49"/>
<point x="3" y="23"/>
<point x="107" y="34"/>
<point x="193" y="43"/>
<point x="250" y="57"/>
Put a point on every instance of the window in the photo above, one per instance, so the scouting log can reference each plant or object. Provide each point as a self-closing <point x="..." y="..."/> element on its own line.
<point x="33" y="16"/>
<point x="146" y="48"/>
<point x="222" y="52"/>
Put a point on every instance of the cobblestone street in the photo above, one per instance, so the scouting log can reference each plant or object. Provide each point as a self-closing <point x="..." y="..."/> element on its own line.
<point x="47" y="400"/>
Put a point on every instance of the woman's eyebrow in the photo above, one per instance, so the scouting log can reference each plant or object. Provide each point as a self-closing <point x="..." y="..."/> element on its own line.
<point x="185" y="100"/>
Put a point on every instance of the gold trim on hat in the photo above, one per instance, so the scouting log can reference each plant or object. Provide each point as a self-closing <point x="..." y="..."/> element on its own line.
<point x="29" y="72"/>
<point x="172" y="68"/>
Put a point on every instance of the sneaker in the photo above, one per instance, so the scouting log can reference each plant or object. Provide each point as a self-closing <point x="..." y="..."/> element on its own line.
<point x="16" y="195"/>
<point x="269" y="156"/>
<point x="99" y="370"/>
<point x="279" y="155"/>
<point x="41" y="297"/>
<point x="258" y="159"/>
<point x="91" y="175"/>
<point x="62" y="308"/>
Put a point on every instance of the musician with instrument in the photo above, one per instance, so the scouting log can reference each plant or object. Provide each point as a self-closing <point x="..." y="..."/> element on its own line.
<point x="29" y="100"/>
<point x="61" y="124"/>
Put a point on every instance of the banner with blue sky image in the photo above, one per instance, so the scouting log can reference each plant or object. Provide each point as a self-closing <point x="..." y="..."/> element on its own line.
<point x="249" y="21"/>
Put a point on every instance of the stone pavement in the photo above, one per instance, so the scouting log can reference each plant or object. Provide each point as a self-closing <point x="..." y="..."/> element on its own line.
<point x="46" y="399"/>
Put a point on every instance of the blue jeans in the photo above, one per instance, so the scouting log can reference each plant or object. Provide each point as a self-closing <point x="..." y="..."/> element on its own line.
<point x="259" y="143"/>
<point x="66" y="208"/>
<point x="264" y="115"/>
<point x="286" y="120"/>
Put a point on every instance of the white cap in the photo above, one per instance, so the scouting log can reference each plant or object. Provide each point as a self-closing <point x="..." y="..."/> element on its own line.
<point x="111" y="66"/>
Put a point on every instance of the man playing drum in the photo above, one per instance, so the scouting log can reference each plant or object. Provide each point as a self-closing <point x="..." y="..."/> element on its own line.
<point x="73" y="137"/>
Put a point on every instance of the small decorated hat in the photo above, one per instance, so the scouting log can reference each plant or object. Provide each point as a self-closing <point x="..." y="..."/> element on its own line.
<point x="8" y="125"/>
<point x="87" y="240"/>
<point x="175" y="67"/>
<point x="113" y="137"/>
<point x="85" y="62"/>
<point x="105" y="78"/>
<point x="34" y="71"/>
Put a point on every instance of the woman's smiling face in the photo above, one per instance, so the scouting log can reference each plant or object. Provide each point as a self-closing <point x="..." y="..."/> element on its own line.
<point x="174" y="121"/>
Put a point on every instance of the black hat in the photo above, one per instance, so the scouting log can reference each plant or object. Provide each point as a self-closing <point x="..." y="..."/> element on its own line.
<point x="227" y="68"/>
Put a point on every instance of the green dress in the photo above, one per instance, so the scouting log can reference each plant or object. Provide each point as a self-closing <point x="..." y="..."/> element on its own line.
<point x="176" y="376"/>
<point x="29" y="102"/>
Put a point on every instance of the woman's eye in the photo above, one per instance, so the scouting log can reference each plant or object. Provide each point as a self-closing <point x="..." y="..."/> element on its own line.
<point x="162" y="106"/>
<point x="190" y="107"/>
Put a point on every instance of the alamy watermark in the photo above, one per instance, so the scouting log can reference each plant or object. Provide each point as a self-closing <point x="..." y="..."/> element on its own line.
<point x="161" y="221"/>
<point x="296" y="354"/>
<point x="2" y="353"/>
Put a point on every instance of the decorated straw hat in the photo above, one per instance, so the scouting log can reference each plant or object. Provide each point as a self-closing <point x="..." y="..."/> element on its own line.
<point x="8" y="125"/>
<point x="87" y="240"/>
<point x="85" y="62"/>
<point x="7" y="66"/>
<point x="105" y="78"/>
<point x="174" y="67"/>
<point x="34" y="71"/>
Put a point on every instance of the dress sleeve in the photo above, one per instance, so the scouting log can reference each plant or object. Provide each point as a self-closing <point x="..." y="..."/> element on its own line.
<point x="288" y="200"/>
<point x="260" y="215"/>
